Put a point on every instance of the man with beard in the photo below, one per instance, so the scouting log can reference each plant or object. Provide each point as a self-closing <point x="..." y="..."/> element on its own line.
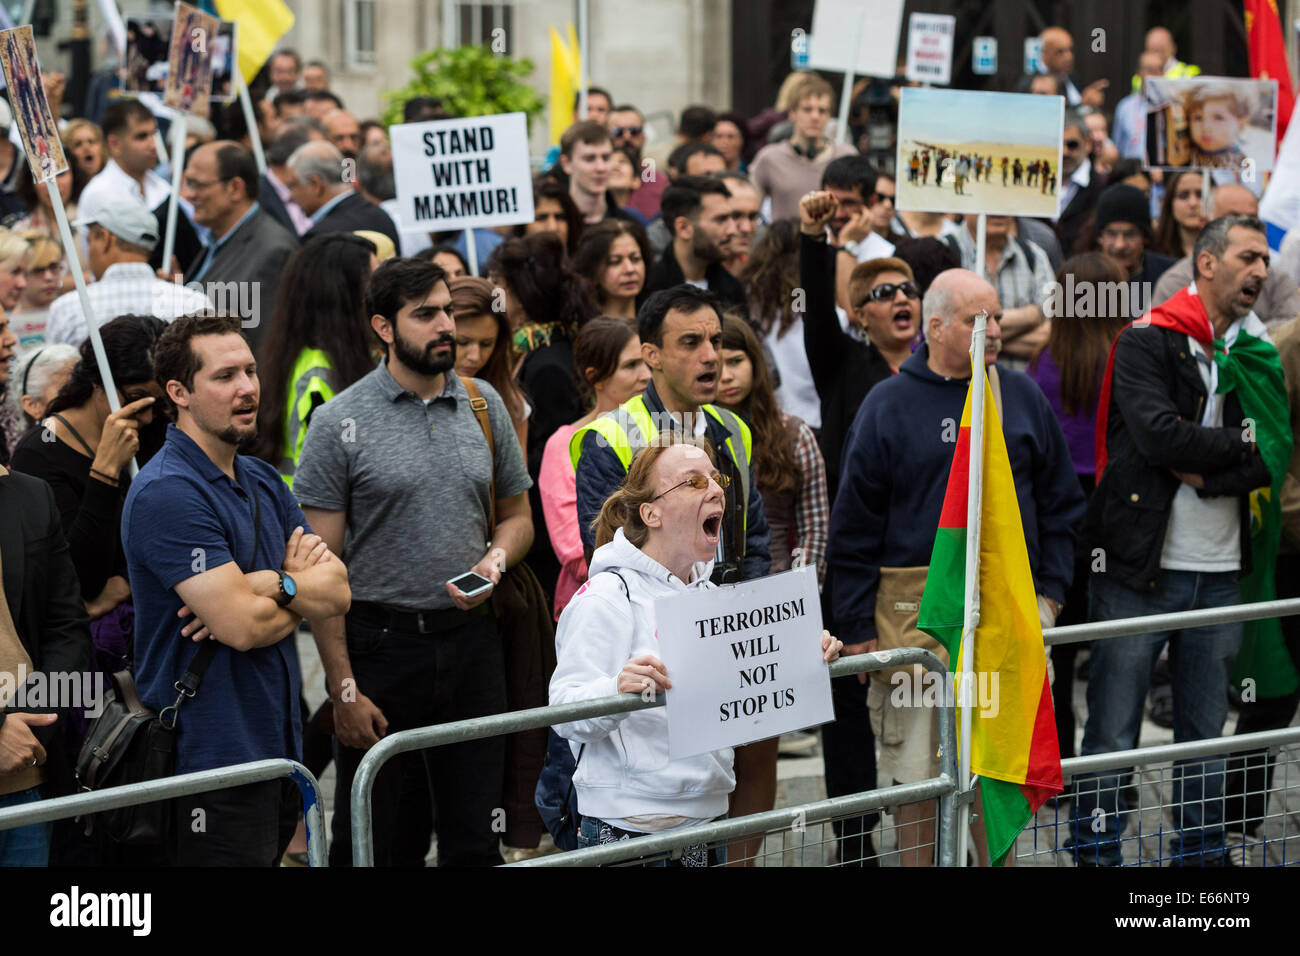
<point x="1177" y="461"/>
<point x="399" y="465"/>
<point x="223" y="566"/>
<point x="697" y="211"/>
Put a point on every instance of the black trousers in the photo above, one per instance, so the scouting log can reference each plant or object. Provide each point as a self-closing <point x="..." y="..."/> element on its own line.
<point x="1250" y="773"/>
<point x="240" y="826"/>
<point x="417" y="680"/>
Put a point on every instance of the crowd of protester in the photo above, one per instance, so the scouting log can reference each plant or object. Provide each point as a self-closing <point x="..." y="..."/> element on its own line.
<point x="340" y="418"/>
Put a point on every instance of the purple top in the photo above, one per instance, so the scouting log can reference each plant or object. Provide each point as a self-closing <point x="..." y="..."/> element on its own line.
<point x="1081" y="428"/>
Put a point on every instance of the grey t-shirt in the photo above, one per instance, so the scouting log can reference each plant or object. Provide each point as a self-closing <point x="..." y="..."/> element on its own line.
<point x="415" y="480"/>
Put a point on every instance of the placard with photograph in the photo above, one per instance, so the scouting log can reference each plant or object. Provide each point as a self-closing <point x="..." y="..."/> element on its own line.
<point x="189" y="75"/>
<point x="1210" y="122"/>
<point x="145" y="66"/>
<point x="969" y="151"/>
<point x="31" y="109"/>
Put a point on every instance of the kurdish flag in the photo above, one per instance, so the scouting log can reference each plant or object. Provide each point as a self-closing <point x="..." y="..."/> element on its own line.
<point x="1014" y="748"/>
<point x="566" y="80"/>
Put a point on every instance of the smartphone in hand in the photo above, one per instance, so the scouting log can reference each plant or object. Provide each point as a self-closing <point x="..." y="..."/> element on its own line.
<point x="471" y="584"/>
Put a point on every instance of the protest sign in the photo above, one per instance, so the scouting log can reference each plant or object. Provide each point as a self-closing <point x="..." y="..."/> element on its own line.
<point x="189" y="75"/>
<point x="849" y="36"/>
<point x="31" y="109"/>
<point x="745" y="662"/>
<point x="1211" y="122"/>
<point x="462" y="173"/>
<point x="146" y="64"/>
<point x="974" y="152"/>
<point x="929" y="48"/>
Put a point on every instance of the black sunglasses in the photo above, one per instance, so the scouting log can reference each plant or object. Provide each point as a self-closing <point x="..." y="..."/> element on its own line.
<point x="1073" y="144"/>
<point x="629" y="130"/>
<point x="887" y="290"/>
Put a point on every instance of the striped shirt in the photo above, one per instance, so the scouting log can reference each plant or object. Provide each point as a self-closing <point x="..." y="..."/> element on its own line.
<point x="125" y="288"/>
<point x="812" y="512"/>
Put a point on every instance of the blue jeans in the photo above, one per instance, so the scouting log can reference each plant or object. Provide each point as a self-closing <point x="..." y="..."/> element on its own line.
<point x="595" y="832"/>
<point x="1200" y="660"/>
<point x="29" y="845"/>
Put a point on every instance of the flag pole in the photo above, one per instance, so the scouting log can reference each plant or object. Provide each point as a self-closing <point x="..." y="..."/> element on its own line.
<point x="83" y="295"/>
<point x="250" y="120"/>
<point x="178" y="169"/>
<point x="584" y="57"/>
<point x="981" y="245"/>
<point x="974" y="502"/>
<point x="846" y="94"/>
<point x="471" y="251"/>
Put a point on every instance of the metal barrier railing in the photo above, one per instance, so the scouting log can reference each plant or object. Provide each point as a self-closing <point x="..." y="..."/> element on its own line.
<point x="1123" y="627"/>
<point x="203" y="781"/>
<point x="943" y="787"/>
<point x="1151" y="777"/>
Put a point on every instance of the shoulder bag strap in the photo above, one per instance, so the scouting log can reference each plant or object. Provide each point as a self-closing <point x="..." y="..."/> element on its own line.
<point x="480" y="406"/>
<point x="188" y="685"/>
<point x="74" y="433"/>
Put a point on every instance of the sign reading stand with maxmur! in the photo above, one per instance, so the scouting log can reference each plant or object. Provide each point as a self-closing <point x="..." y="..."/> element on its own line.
<point x="462" y="173"/>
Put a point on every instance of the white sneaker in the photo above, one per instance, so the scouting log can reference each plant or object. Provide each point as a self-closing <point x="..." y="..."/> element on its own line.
<point x="1243" y="852"/>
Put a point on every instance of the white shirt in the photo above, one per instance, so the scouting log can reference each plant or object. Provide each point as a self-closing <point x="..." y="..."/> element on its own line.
<point x="112" y="183"/>
<point x="797" y="394"/>
<point x="125" y="288"/>
<point x="412" y="242"/>
<point x="1082" y="176"/>
<point x="1204" y="534"/>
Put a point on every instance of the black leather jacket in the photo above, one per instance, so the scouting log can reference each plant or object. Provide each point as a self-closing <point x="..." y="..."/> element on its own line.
<point x="1156" y="402"/>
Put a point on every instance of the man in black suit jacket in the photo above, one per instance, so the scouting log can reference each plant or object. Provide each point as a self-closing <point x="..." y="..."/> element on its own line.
<point x="1078" y="180"/>
<point x="249" y="250"/>
<point x="697" y="212"/>
<point x="42" y="621"/>
<point x="317" y="184"/>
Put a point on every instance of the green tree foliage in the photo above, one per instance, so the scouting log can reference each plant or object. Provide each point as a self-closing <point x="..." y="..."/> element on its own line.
<point x="470" y="81"/>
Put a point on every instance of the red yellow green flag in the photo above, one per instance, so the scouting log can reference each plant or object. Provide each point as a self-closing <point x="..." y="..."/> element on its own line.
<point x="1013" y="734"/>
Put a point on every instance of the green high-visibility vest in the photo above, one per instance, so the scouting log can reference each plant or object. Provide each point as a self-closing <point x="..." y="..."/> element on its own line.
<point x="309" y="386"/>
<point x="631" y="427"/>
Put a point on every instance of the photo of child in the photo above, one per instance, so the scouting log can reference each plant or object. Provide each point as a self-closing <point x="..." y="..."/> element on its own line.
<point x="31" y="108"/>
<point x="1210" y="123"/>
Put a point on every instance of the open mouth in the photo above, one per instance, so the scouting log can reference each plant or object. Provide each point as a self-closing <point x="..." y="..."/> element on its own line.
<point x="1250" y="293"/>
<point x="903" y="319"/>
<point x="708" y="379"/>
<point x="712" y="525"/>
<point x="249" y="413"/>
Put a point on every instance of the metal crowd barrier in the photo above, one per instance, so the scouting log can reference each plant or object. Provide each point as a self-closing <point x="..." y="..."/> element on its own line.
<point x="943" y="788"/>
<point x="1268" y="836"/>
<point x="203" y="781"/>
<point x="1123" y="627"/>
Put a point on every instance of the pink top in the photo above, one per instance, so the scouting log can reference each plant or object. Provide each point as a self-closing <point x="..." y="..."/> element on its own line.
<point x="558" y="486"/>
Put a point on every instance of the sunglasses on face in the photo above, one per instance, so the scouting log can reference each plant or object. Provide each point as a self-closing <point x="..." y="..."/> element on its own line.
<point x="1073" y="144"/>
<point x="887" y="290"/>
<point x="625" y="130"/>
<point x="699" y="483"/>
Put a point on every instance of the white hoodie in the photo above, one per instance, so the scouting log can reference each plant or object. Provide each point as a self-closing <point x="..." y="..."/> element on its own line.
<point x="625" y="771"/>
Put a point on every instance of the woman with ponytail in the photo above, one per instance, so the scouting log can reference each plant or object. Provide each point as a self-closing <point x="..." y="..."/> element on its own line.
<point x="655" y="538"/>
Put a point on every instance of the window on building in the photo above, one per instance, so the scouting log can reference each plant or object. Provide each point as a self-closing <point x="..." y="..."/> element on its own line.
<point x="359" y="33"/>
<point x="479" y="23"/>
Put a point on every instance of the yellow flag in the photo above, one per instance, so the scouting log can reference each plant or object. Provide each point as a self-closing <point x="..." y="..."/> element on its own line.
<point x="566" y="72"/>
<point x="261" y="25"/>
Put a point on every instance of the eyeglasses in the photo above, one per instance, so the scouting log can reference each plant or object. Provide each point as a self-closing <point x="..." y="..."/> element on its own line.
<point x="699" y="483"/>
<point x="617" y="131"/>
<point x="1073" y="144"/>
<point x="887" y="290"/>
<point x="197" y="184"/>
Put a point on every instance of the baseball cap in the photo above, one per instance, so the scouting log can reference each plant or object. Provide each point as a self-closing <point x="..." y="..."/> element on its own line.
<point x="127" y="220"/>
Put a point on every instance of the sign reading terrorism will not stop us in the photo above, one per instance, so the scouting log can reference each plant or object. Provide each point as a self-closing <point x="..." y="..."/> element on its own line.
<point x="462" y="173"/>
<point x="745" y="662"/>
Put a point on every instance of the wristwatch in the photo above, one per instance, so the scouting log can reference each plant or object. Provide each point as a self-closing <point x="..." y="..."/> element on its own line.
<point x="288" y="590"/>
<point x="852" y="247"/>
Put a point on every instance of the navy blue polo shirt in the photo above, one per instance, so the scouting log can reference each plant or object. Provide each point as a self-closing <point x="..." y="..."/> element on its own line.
<point x="183" y="516"/>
